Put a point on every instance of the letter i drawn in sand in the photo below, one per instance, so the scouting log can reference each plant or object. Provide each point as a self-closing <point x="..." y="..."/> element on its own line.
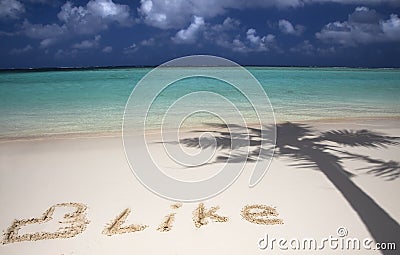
<point x="166" y="225"/>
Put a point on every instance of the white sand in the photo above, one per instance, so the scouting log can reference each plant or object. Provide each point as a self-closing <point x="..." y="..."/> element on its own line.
<point x="37" y="174"/>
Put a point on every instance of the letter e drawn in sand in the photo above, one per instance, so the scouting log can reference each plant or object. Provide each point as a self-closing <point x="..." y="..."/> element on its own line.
<point x="76" y="222"/>
<point x="200" y="215"/>
<point x="261" y="214"/>
<point x="115" y="227"/>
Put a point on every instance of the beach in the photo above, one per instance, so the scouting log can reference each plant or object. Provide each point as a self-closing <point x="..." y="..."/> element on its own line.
<point x="73" y="158"/>
<point x="37" y="174"/>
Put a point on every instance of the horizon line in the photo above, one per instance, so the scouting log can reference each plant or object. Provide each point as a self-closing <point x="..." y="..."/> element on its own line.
<point x="83" y="68"/>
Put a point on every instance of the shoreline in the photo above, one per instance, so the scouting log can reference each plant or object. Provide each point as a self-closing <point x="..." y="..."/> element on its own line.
<point x="115" y="133"/>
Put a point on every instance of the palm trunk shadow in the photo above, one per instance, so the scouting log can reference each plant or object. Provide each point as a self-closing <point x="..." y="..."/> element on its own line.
<point x="381" y="225"/>
<point x="312" y="153"/>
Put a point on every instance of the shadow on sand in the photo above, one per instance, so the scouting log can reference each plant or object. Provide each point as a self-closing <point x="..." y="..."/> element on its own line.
<point x="319" y="151"/>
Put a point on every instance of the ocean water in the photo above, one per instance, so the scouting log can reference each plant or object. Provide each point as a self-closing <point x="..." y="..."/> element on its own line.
<point x="92" y="101"/>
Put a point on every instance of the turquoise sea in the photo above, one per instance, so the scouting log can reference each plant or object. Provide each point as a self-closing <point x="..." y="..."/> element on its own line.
<point x="92" y="101"/>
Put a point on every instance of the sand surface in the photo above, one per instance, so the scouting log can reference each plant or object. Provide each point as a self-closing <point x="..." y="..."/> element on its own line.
<point x="79" y="196"/>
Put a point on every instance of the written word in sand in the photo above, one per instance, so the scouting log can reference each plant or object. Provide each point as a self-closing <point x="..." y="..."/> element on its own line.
<point x="75" y="222"/>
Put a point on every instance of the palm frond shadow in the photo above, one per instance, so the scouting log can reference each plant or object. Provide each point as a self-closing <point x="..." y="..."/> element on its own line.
<point x="294" y="141"/>
<point x="323" y="152"/>
<point x="363" y="138"/>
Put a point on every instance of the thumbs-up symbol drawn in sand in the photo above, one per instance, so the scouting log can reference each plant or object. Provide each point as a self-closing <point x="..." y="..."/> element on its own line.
<point x="64" y="220"/>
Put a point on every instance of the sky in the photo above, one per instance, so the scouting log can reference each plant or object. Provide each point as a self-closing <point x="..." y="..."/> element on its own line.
<point x="353" y="33"/>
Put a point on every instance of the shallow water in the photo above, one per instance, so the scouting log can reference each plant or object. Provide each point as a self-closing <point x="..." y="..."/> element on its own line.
<point x="59" y="102"/>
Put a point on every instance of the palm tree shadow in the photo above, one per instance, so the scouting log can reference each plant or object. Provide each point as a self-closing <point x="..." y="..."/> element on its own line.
<point x="324" y="152"/>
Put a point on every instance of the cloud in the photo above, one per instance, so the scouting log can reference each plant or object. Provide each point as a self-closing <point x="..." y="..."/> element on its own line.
<point x="391" y="28"/>
<point x="238" y="45"/>
<point x="48" y="42"/>
<point x="131" y="49"/>
<point x="190" y="34"/>
<point x="148" y="42"/>
<point x="307" y="48"/>
<point x="287" y="28"/>
<point x="228" y="24"/>
<point x="360" y="2"/>
<point x="62" y="54"/>
<point x="363" y="14"/>
<point x="362" y="27"/>
<point x="167" y="14"/>
<point x="252" y="43"/>
<point x="258" y="43"/>
<point x="39" y="31"/>
<point x="107" y="49"/>
<point x="22" y="50"/>
<point x="257" y="40"/>
<point x="5" y="33"/>
<point x="48" y="34"/>
<point x="11" y="9"/>
<point x="223" y="35"/>
<point x="88" y="44"/>
<point x="96" y="16"/>
<point x="107" y="9"/>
